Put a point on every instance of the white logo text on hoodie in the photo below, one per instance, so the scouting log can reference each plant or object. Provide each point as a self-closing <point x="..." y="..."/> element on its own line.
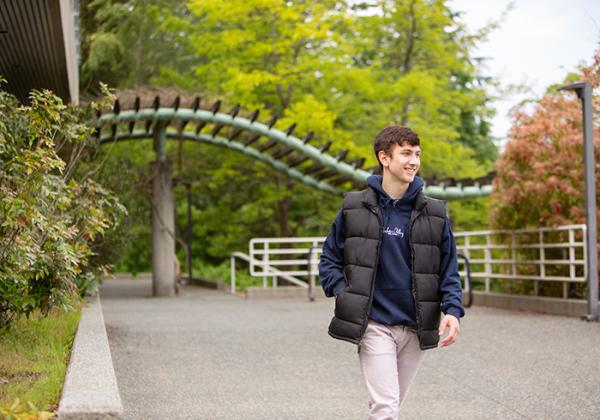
<point x="394" y="231"/>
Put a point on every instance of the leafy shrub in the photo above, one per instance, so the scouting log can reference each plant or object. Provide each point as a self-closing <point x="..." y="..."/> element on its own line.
<point x="540" y="173"/>
<point x="50" y="214"/>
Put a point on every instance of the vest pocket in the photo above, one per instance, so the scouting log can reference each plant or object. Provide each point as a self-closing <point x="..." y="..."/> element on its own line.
<point x="351" y="306"/>
<point x="358" y="279"/>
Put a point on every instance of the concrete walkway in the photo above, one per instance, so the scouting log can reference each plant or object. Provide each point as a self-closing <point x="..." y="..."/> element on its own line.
<point x="208" y="355"/>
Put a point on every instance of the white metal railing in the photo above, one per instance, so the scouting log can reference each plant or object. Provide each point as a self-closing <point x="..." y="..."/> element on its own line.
<point x="542" y="254"/>
<point x="289" y="254"/>
<point x="270" y="270"/>
<point x="292" y="259"/>
<point x="504" y="255"/>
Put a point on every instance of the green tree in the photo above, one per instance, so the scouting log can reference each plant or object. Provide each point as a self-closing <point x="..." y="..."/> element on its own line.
<point x="345" y="74"/>
<point x="416" y="58"/>
<point x="540" y="172"/>
<point x="122" y="45"/>
<point x="342" y="69"/>
<point x="405" y="62"/>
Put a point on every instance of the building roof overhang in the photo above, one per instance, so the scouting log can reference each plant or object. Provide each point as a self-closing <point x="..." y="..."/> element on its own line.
<point x="39" y="47"/>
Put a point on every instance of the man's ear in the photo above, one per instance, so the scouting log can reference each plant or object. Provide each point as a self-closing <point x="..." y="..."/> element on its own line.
<point x="383" y="158"/>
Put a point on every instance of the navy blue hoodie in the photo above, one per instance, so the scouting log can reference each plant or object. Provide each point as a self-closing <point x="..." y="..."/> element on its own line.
<point x="393" y="301"/>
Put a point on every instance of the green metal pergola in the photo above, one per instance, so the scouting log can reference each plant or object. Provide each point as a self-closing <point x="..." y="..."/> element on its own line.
<point x="294" y="156"/>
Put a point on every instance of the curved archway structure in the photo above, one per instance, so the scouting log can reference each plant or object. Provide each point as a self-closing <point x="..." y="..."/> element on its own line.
<point x="281" y="149"/>
<point x="294" y="156"/>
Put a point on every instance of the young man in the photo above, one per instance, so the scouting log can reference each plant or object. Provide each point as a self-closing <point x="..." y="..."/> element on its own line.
<point x="390" y="261"/>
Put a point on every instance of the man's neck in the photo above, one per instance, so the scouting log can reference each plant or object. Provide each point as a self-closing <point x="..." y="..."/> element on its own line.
<point x="395" y="190"/>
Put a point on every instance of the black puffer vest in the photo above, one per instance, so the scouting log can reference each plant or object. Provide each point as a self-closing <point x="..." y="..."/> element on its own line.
<point x="364" y="231"/>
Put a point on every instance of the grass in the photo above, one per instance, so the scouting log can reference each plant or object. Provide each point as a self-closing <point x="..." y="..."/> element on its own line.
<point x="34" y="357"/>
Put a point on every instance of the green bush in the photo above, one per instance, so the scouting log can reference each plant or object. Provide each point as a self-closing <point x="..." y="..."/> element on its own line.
<point x="51" y="214"/>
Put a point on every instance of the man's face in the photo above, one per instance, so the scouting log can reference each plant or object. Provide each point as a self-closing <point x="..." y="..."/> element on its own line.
<point x="402" y="164"/>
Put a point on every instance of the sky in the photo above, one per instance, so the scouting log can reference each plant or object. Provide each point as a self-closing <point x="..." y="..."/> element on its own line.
<point x="538" y="44"/>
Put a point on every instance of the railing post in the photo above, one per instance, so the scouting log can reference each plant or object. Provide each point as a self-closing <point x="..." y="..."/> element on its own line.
<point x="265" y="260"/>
<point x="311" y="274"/>
<point x="274" y="279"/>
<point x="468" y="279"/>
<point x="536" y="289"/>
<point x="467" y="248"/>
<point x="572" y="271"/>
<point x="232" y="273"/>
<point x="513" y="257"/>
<point x="190" y="232"/>
<point x="487" y="254"/>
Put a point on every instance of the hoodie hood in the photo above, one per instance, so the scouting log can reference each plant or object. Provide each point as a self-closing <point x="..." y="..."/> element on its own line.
<point x="414" y="188"/>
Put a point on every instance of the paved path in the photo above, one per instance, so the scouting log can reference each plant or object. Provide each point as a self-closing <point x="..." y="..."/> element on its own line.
<point x="208" y="355"/>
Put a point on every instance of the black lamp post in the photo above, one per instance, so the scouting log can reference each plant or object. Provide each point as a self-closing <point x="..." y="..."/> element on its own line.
<point x="584" y="92"/>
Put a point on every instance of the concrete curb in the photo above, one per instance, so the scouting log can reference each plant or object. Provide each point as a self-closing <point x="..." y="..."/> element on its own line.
<point x="90" y="390"/>
<point x="545" y="305"/>
<point x="281" y="292"/>
<point x="210" y="284"/>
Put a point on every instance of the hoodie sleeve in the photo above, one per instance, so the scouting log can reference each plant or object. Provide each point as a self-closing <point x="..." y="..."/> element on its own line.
<point x="450" y="286"/>
<point x="332" y="259"/>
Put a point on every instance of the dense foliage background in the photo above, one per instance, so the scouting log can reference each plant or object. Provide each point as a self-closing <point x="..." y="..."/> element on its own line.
<point x="341" y="69"/>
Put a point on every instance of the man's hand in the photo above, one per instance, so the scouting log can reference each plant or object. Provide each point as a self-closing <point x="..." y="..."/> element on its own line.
<point x="449" y="322"/>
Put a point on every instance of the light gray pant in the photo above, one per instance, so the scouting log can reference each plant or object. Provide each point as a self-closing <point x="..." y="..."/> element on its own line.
<point x="389" y="357"/>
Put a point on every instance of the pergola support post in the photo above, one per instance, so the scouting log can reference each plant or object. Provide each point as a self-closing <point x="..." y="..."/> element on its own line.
<point x="163" y="220"/>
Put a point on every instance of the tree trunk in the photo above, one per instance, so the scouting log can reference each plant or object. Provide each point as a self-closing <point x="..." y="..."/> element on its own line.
<point x="407" y="64"/>
<point x="284" y="210"/>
